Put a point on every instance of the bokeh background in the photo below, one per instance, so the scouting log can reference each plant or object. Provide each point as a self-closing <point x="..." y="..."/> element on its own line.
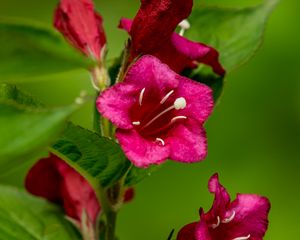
<point x="253" y="134"/>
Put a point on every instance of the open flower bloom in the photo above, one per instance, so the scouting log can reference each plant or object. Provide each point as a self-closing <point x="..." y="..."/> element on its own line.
<point x="159" y="114"/>
<point x="81" y="26"/>
<point x="245" y="218"/>
<point x="54" y="180"/>
<point x="153" y="32"/>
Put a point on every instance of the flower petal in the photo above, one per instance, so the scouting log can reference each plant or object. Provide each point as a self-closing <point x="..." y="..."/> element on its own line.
<point x="43" y="179"/>
<point x="150" y="72"/>
<point x="79" y="24"/>
<point x="188" y="232"/>
<point x="187" y="142"/>
<point x="78" y="196"/>
<point x="141" y="152"/>
<point x="202" y="232"/>
<point x="221" y="202"/>
<point x="115" y="103"/>
<point x="199" y="98"/>
<point x="251" y="217"/>
<point x="199" y="52"/>
<point x="155" y="22"/>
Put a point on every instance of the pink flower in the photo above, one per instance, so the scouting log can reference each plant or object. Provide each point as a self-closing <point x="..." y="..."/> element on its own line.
<point x="52" y="179"/>
<point x="152" y="32"/>
<point x="81" y="26"/>
<point x="245" y="218"/>
<point x="159" y="114"/>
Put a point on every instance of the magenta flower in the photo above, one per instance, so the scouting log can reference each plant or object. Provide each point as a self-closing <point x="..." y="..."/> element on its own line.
<point x="52" y="179"/>
<point x="152" y="32"/>
<point x="245" y="218"/>
<point x="81" y="26"/>
<point x="159" y="114"/>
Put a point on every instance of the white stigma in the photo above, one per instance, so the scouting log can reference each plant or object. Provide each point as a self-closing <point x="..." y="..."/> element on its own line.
<point x="184" y="25"/>
<point x="174" y="119"/>
<point x="242" y="238"/>
<point x="227" y="220"/>
<point x="136" y="123"/>
<point x="166" y="97"/>
<point x="141" y="96"/>
<point x="217" y="224"/>
<point x="162" y="142"/>
<point x="180" y="103"/>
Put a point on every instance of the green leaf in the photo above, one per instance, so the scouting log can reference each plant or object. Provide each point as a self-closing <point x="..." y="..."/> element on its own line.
<point x="28" y="218"/>
<point x="235" y="33"/>
<point x="26" y="128"/>
<point x="31" y="50"/>
<point x="136" y="175"/>
<point x="95" y="157"/>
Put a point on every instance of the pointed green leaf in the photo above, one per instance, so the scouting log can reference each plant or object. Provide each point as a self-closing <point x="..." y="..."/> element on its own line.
<point x="28" y="218"/>
<point x="26" y="128"/>
<point x="235" y="33"/>
<point x="95" y="157"/>
<point x="33" y="50"/>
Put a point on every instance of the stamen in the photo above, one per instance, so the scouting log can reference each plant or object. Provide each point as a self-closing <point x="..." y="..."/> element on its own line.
<point x="184" y="25"/>
<point x="227" y="220"/>
<point x="160" y="141"/>
<point x="166" y="97"/>
<point x="217" y="224"/>
<point x="179" y="103"/>
<point x="136" y="123"/>
<point x="177" y="118"/>
<point x="242" y="238"/>
<point x="141" y="96"/>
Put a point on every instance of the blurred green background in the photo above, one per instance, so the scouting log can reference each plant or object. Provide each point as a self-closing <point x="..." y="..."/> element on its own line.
<point x="253" y="134"/>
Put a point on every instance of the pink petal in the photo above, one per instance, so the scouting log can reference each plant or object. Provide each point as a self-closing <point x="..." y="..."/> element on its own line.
<point x="187" y="142"/>
<point x="202" y="232"/>
<point x="78" y="196"/>
<point x="141" y="152"/>
<point x="115" y="103"/>
<point x="199" y="99"/>
<point x="221" y="201"/>
<point x="151" y="73"/>
<point x="78" y="22"/>
<point x="198" y="52"/>
<point x="251" y="216"/>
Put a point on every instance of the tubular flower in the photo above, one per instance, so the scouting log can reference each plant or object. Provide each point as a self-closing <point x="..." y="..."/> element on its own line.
<point x="52" y="179"/>
<point x="153" y="32"/>
<point x="245" y="218"/>
<point x="159" y="114"/>
<point x="81" y="26"/>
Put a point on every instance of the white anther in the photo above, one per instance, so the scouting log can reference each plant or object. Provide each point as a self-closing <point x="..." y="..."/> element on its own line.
<point x="184" y="25"/>
<point x="242" y="238"/>
<point x="217" y="224"/>
<point x="136" y="123"/>
<point x="166" y="97"/>
<point x="162" y="142"/>
<point x="177" y="118"/>
<point x="141" y="96"/>
<point x="180" y="103"/>
<point x="227" y="220"/>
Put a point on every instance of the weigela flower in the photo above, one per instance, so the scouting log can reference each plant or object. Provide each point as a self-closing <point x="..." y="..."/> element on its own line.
<point x="245" y="218"/>
<point x="152" y="32"/>
<point x="159" y="114"/>
<point x="52" y="179"/>
<point x="81" y="26"/>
